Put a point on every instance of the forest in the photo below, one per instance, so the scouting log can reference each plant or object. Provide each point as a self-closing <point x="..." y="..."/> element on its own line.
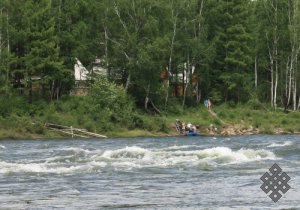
<point x="160" y="55"/>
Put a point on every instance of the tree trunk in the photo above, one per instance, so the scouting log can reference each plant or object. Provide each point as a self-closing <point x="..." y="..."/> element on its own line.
<point x="272" y="76"/>
<point x="295" y="83"/>
<point x="199" y="94"/>
<point x="59" y="21"/>
<point x="128" y="82"/>
<point x="276" y="77"/>
<point x="1" y="27"/>
<point x="29" y="89"/>
<point x="147" y="97"/>
<point x="154" y="107"/>
<point x="57" y="93"/>
<point x="184" y="95"/>
<point x="106" y="45"/>
<point x="298" y="108"/>
<point x="273" y="54"/>
<point x="52" y="90"/>
<point x="170" y="59"/>
<point x="295" y="96"/>
<point x="276" y="55"/>
<point x="200" y="14"/>
<point x="291" y="71"/>
<point x="7" y="33"/>
<point x="275" y="87"/>
<point x="185" y="79"/>
<point x="2" y="43"/>
<point x="286" y="81"/>
<point x="290" y="80"/>
<point x="255" y="72"/>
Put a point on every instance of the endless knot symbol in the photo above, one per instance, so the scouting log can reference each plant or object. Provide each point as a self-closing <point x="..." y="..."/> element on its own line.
<point x="275" y="182"/>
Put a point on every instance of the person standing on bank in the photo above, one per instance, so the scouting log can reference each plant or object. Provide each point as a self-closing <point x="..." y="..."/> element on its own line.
<point x="206" y="103"/>
<point x="209" y="104"/>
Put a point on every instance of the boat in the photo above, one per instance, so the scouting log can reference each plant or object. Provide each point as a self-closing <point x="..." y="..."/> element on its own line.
<point x="185" y="132"/>
<point x="192" y="134"/>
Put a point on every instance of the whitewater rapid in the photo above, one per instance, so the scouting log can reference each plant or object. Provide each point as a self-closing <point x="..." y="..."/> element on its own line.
<point x="146" y="173"/>
<point x="78" y="160"/>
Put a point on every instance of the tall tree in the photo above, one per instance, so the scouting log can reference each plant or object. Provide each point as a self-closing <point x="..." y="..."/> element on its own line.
<point x="4" y="48"/>
<point x="35" y="46"/>
<point x="236" y="40"/>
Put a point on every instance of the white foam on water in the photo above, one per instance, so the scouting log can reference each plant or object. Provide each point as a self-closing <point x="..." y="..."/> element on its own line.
<point x="175" y="147"/>
<point x="128" y="152"/>
<point x="140" y="157"/>
<point x="69" y="192"/>
<point x="179" y="147"/>
<point x="74" y="150"/>
<point x="2" y="147"/>
<point x="286" y="143"/>
<point x="49" y="168"/>
<point x="224" y="155"/>
<point x="85" y="161"/>
<point x="56" y="159"/>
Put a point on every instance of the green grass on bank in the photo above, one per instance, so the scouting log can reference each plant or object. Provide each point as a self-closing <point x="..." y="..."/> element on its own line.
<point x="266" y="119"/>
<point x="22" y="121"/>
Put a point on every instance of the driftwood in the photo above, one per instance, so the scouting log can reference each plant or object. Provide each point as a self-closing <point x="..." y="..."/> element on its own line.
<point x="67" y="132"/>
<point x="83" y="133"/>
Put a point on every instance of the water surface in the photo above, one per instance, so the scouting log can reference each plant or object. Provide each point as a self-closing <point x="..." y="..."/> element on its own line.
<point x="146" y="173"/>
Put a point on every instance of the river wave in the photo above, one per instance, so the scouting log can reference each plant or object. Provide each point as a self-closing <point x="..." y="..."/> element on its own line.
<point x="78" y="160"/>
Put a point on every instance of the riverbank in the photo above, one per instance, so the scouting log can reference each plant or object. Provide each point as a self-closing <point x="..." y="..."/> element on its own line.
<point x="243" y="120"/>
<point x="221" y="121"/>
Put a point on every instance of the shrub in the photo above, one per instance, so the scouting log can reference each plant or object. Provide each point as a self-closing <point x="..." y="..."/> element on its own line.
<point x="231" y="104"/>
<point x="254" y="104"/>
<point x="105" y="95"/>
<point x="217" y="122"/>
<point x="284" y="121"/>
<point x="89" y="126"/>
<point x="223" y="114"/>
<point x="174" y="106"/>
<point x="11" y="105"/>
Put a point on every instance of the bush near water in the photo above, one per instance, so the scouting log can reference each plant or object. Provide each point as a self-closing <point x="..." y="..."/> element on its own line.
<point x="106" y="109"/>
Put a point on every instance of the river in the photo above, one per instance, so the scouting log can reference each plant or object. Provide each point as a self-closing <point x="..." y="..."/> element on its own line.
<point x="147" y="173"/>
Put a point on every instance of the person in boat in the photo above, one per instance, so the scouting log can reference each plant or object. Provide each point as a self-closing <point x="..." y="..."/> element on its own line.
<point x="183" y="128"/>
<point x="189" y="127"/>
<point x="194" y="129"/>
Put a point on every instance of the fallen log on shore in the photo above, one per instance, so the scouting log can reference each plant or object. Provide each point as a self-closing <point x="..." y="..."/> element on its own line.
<point x="83" y="133"/>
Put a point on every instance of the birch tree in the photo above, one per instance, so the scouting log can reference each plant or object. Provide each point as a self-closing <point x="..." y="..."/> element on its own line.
<point x="174" y="20"/>
<point x="272" y="38"/>
<point x="4" y="48"/>
<point x="292" y="64"/>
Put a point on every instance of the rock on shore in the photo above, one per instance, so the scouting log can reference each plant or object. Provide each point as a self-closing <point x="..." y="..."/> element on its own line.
<point x="232" y="130"/>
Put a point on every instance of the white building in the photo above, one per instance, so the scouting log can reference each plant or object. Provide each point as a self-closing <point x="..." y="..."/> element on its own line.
<point x="81" y="73"/>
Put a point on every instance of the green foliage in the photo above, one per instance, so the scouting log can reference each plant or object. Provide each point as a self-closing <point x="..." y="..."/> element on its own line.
<point x="111" y="100"/>
<point x="174" y="106"/>
<point x="231" y="104"/>
<point x="220" y="40"/>
<point x="255" y="104"/>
